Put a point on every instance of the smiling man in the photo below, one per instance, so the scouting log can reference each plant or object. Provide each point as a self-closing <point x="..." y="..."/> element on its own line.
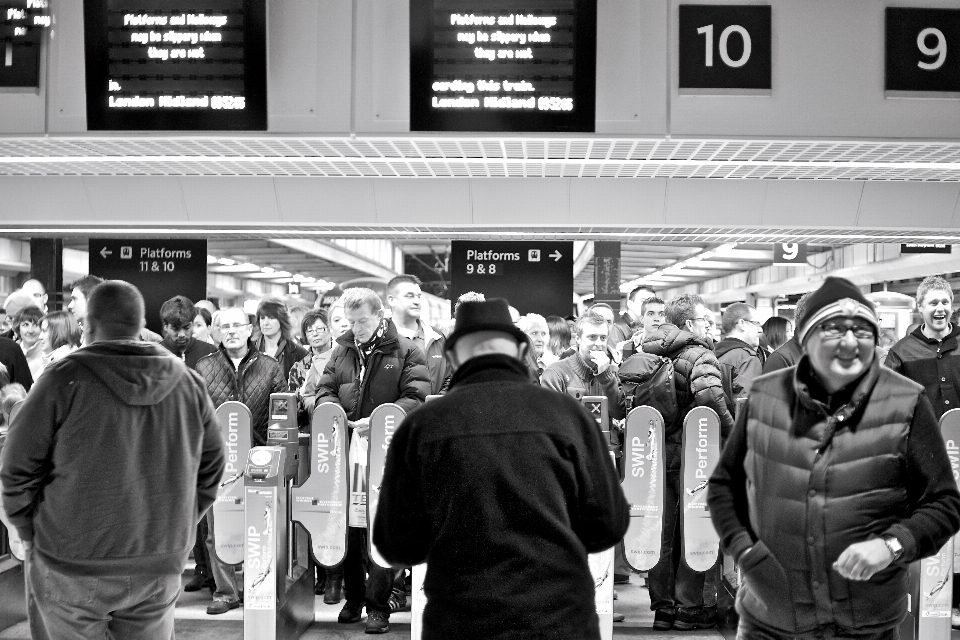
<point x="833" y="481"/>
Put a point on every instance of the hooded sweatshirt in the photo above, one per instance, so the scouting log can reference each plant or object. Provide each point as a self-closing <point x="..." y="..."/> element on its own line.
<point x="112" y="460"/>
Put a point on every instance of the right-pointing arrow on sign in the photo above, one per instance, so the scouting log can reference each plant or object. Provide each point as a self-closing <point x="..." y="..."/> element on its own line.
<point x="556" y="255"/>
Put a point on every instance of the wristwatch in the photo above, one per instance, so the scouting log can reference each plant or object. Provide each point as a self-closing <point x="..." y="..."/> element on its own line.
<point x="896" y="549"/>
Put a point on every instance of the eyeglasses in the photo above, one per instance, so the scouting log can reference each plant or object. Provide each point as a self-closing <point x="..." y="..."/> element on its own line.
<point x="836" y="330"/>
<point x="706" y="320"/>
<point x="753" y="322"/>
<point x="316" y="330"/>
<point x="228" y="328"/>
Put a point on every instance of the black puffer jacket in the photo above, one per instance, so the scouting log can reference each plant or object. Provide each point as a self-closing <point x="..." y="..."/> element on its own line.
<point x="397" y="373"/>
<point x="935" y="364"/>
<point x="259" y="376"/>
<point x="697" y="374"/>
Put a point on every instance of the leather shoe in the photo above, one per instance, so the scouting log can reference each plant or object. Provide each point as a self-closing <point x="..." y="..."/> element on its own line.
<point x="333" y="590"/>
<point x="350" y="613"/>
<point x="222" y="606"/>
<point x="196" y="583"/>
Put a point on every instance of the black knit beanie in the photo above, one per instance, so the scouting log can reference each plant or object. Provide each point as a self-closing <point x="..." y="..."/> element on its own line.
<point x="836" y="297"/>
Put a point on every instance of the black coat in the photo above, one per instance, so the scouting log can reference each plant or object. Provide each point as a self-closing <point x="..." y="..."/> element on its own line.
<point x="503" y="487"/>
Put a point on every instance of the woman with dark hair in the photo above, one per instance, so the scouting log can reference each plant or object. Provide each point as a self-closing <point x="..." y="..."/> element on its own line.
<point x="60" y="335"/>
<point x="26" y="328"/>
<point x="276" y="335"/>
<point x="201" y="326"/>
<point x="560" y="335"/>
<point x="776" y="331"/>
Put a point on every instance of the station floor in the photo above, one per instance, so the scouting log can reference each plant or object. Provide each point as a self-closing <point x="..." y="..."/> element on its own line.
<point x="193" y="623"/>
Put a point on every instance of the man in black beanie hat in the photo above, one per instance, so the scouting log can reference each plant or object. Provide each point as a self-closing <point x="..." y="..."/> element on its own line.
<point x="505" y="487"/>
<point x="833" y="481"/>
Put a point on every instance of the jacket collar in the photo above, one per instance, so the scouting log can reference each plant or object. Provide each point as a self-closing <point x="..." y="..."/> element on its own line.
<point x="950" y="342"/>
<point x="492" y="367"/>
<point x="390" y="339"/>
<point x="251" y="354"/>
<point x="855" y="394"/>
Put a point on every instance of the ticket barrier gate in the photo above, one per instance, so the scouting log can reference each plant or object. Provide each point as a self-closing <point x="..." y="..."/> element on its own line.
<point x="271" y="502"/>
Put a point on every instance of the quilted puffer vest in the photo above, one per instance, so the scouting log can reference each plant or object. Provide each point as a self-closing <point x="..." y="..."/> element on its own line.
<point x="818" y="482"/>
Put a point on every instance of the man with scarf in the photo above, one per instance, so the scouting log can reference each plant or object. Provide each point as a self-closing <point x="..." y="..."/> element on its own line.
<point x="372" y="364"/>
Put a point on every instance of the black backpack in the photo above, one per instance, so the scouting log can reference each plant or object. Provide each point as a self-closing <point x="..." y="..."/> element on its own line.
<point x="648" y="379"/>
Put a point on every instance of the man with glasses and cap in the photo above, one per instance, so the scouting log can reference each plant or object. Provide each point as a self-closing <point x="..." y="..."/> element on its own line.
<point x="833" y="481"/>
<point x="238" y="371"/>
<point x="505" y="487"/>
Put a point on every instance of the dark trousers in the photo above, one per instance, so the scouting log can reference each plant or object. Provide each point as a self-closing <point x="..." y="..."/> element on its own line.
<point x="748" y="631"/>
<point x="376" y="593"/>
<point x="674" y="585"/>
<point x="202" y="567"/>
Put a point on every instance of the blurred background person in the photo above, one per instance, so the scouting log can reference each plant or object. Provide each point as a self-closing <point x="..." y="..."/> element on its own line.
<point x="560" y="335"/>
<point x="277" y="335"/>
<point x="60" y="334"/>
<point x="337" y="319"/>
<point x="296" y="320"/>
<point x="306" y="372"/>
<point x="775" y="332"/>
<point x="201" y="326"/>
<point x="535" y="326"/>
<point x="26" y="327"/>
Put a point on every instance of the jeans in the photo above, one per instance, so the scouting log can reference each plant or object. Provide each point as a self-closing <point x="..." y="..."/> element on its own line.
<point x="748" y="631"/>
<point x="61" y="606"/>
<point x="674" y="585"/>
<point x="376" y="594"/>
<point x="225" y="575"/>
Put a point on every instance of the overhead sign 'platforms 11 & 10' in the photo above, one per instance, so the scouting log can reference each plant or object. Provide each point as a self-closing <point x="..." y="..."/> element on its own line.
<point x="503" y="65"/>
<point x="176" y="65"/>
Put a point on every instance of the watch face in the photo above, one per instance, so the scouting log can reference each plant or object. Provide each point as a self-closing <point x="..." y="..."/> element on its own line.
<point x="261" y="458"/>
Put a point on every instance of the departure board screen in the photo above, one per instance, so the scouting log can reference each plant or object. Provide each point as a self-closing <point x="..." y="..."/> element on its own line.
<point x="503" y="65"/>
<point x="176" y="65"/>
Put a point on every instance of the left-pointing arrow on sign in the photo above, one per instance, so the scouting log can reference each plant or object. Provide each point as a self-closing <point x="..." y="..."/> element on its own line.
<point x="556" y="255"/>
<point x="104" y="253"/>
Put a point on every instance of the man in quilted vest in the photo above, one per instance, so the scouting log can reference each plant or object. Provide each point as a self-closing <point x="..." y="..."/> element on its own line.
<point x="676" y="591"/>
<point x="833" y="481"/>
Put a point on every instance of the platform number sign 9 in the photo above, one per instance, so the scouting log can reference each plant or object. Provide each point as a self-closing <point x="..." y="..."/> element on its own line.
<point x="789" y="253"/>
<point x="922" y="50"/>
<point x="724" y="47"/>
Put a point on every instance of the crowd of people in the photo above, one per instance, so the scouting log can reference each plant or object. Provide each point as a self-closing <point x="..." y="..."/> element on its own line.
<point x="825" y="403"/>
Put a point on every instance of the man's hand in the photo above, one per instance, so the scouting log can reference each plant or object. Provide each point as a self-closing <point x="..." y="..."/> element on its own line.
<point x="601" y="360"/>
<point x="861" y="560"/>
<point x="361" y="426"/>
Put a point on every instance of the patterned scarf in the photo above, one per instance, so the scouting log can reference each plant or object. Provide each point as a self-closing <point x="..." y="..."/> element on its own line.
<point x="368" y="347"/>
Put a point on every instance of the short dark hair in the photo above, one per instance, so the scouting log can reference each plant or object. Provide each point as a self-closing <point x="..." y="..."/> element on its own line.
<point x="205" y="314"/>
<point x="403" y="277"/>
<point x="590" y="318"/>
<point x="682" y="308"/>
<point x="651" y="300"/>
<point x="633" y="293"/>
<point x="775" y="331"/>
<point x="32" y="314"/>
<point x="117" y="307"/>
<point x="178" y="311"/>
<point x="274" y="308"/>
<point x="734" y="314"/>
<point x="310" y="318"/>
<point x="86" y="284"/>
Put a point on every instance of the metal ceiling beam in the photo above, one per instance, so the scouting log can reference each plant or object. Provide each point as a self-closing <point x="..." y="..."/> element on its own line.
<point x="338" y="255"/>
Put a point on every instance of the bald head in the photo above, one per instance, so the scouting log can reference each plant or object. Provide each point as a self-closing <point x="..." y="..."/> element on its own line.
<point x="114" y="312"/>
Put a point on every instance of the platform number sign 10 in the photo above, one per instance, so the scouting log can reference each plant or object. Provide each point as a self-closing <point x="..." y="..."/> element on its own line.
<point x="920" y="50"/>
<point x="724" y="47"/>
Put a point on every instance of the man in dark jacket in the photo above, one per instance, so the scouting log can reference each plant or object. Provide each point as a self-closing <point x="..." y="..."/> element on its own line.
<point x="371" y="365"/>
<point x="929" y="356"/>
<point x="176" y="317"/>
<point x="630" y="320"/>
<point x="17" y="367"/>
<point x="737" y="352"/>
<point x="834" y="480"/>
<point x="503" y="488"/>
<point x="112" y="460"/>
<point x="788" y="354"/>
<point x="676" y="591"/>
<point x="237" y="371"/>
<point x="405" y="300"/>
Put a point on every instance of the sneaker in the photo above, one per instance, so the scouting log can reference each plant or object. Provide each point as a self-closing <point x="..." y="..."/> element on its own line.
<point x="333" y="590"/>
<point x="377" y="622"/>
<point x="196" y="583"/>
<point x="350" y="613"/>
<point x="663" y="620"/>
<point x="398" y="600"/>
<point x="955" y="618"/>
<point x="222" y="606"/>
<point x="695" y="619"/>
